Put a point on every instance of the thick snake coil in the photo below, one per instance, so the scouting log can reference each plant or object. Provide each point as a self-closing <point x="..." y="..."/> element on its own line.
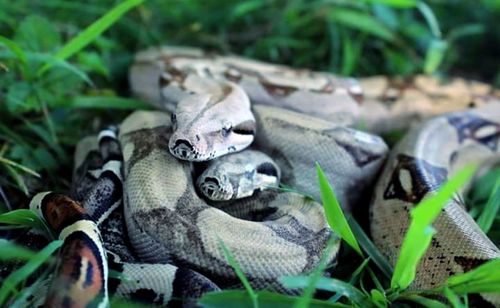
<point x="461" y="136"/>
<point x="291" y="118"/>
<point x="420" y="163"/>
<point x="95" y="239"/>
<point x="283" y="233"/>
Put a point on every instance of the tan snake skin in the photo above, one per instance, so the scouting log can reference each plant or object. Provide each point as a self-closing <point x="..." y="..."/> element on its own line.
<point x="386" y="105"/>
<point x="217" y="105"/>
<point x="417" y="166"/>
<point x="156" y="202"/>
<point x="283" y="233"/>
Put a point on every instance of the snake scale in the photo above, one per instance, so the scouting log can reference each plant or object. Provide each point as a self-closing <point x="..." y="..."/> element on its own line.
<point x="157" y="200"/>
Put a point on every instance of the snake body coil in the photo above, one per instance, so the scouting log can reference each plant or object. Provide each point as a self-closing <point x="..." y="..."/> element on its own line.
<point x="426" y="157"/>
<point x="144" y="213"/>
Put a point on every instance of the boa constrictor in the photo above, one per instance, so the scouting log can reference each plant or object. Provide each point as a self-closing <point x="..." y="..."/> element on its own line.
<point x="95" y="239"/>
<point x="464" y="136"/>
<point x="421" y="162"/>
<point x="284" y="233"/>
<point x="168" y="222"/>
<point x="377" y="104"/>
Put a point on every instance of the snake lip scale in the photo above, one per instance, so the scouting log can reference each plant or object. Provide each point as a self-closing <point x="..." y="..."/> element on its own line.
<point x="154" y="197"/>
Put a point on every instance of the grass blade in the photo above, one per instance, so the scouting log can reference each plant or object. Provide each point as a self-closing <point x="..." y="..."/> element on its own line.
<point x="9" y="134"/>
<point x="4" y="204"/>
<point x="107" y="102"/>
<point x="370" y="248"/>
<point x="333" y="211"/>
<point x="349" y="55"/>
<point x="49" y="58"/>
<point x="434" y="55"/>
<point x="113" y="274"/>
<point x="27" y="295"/>
<point x="465" y="30"/>
<point x="423" y="301"/>
<point x="355" y="276"/>
<point x="403" y="4"/>
<point x="117" y="301"/>
<point x="419" y="234"/>
<point x="286" y="188"/>
<point x="357" y="273"/>
<point x="312" y="281"/>
<point x="25" y="218"/>
<point x="375" y="280"/>
<point x="481" y="189"/>
<point x="18" y="179"/>
<point x="238" y="298"/>
<point x="378" y="298"/>
<point x="484" y="278"/>
<point x="243" y="8"/>
<point x="361" y="21"/>
<point x="18" y="166"/>
<point x="430" y="18"/>
<point x="485" y="220"/>
<point x="331" y="285"/>
<point x="11" y="251"/>
<point x="16" y="50"/>
<point x="26" y="270"/>
<point x="453" y="298"/>
<point x="74" y="70"/>
<point x="92" y="32"/>
<point x="236" y="266"/>
<point x="44" y="135"/>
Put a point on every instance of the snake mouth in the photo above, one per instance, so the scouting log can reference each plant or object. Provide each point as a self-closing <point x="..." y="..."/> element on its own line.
<point x="183" y="149"/>
<point x="211" y="188"/>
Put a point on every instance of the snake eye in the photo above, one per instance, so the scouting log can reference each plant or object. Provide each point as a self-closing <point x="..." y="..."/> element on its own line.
<point x="226" y="129"/>
<point x="173" y="119"/>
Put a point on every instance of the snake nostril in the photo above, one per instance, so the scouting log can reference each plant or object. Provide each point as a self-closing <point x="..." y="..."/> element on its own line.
<point x="209" y="181"/>
<point x="184" y="143"/>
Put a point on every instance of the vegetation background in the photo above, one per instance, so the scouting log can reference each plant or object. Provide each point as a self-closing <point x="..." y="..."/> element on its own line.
<point x="44" y="111"/>
<point x="44" y="115"/>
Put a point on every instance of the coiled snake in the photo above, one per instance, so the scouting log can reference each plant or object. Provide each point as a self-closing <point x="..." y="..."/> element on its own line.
<point x="176" y="171"/>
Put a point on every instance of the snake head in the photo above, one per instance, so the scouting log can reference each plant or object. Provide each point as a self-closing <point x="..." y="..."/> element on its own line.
<point x="238" y="176"/>
<point x="216" y="186"/>
<point x="206" y="126"/>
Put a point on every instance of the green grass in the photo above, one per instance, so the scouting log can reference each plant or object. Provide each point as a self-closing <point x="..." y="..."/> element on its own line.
<point x="11" y="251"/>
<point x="483" y="201"/>
<point x="333" y="212"/>
<point x="310" y="283"/>
<point x="483" y="279"/>
<point x="236" y="266"/>
<point x="90" y="33"/>
<point x="10" y="282"/>
<point x="490" y="211"/>
<point x="419" y="234"/>
<point x="25" y="219"/>
<point x="63" y="69"/>
<point x="58" y="59"/>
